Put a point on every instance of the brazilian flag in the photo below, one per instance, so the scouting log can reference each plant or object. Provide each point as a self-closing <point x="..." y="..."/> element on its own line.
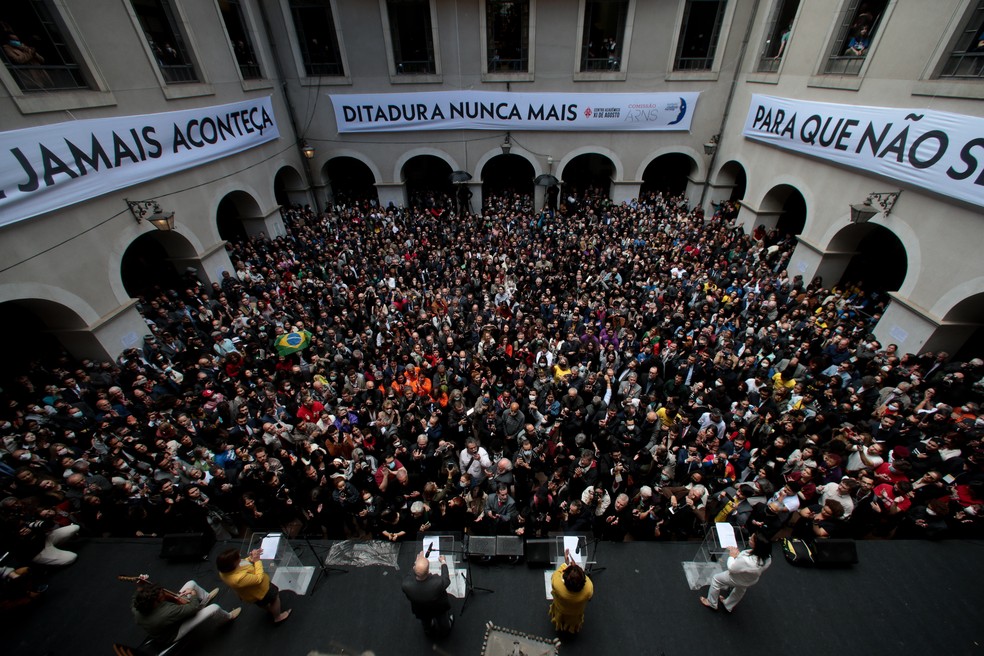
<point x="292" y="342"/>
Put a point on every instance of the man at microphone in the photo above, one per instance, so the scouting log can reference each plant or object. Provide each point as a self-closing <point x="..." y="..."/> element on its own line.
<point x="428" y="596"/>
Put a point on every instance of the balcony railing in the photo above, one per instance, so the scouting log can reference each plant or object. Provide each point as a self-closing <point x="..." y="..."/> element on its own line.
<point x="32" y="77"/>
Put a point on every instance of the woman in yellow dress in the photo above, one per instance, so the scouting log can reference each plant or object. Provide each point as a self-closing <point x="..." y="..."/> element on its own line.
<point x="572" y="590"/>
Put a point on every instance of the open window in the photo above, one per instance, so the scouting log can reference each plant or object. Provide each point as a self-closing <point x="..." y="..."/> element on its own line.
<point x="411" y="37"/>
<point x="35" y="51"/>
<point x="166" y="41"/>
<point x="777" y="34"/>
<point x="700" y="31"/>
<point x="604" y="35"/>
<point x="858" y="24"/>
<point x="314" y="25"/>
<point x="240" y="39"/>
<point x="966" y="59"/>
<point x="507" y="36"/>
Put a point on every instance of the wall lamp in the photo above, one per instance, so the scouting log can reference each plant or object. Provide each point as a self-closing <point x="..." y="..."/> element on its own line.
<point x="862" y="212"/>
<point x="307" y="150"/>
<point x="157" y="217"/>
<point x="506" y="145"/>
<point x="711" y="146"/>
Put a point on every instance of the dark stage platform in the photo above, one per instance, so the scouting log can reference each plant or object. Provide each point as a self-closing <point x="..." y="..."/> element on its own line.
<point x="903" y="598"/>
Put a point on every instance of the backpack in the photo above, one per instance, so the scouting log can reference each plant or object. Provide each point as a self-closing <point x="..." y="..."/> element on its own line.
<point x="797" y="552"/>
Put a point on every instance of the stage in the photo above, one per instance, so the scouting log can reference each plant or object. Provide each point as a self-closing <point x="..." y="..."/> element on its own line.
<point x="902" y="598"/>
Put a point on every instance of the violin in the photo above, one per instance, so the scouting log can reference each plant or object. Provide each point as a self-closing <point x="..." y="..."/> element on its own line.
<point x="173" y="597"/>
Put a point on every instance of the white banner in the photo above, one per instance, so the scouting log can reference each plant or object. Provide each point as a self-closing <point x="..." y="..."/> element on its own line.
<point x="493" y="110"/>
<point x="937" y="151"/>
<point x="46" y="168"/>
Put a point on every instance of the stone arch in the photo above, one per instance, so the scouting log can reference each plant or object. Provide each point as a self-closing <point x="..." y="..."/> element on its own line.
<point x="128" y="235"/>
<point x="77" y="312"/>
<point x="787" y="205"/>
<point x="697" y="173"/>
<point x="957" y="295"/>
<point x="235" y="206"/>
<point x="416" y="152"/>
<point x="834" y="240"/>
<point x="180" y="251"/>
<point x="290" y="182"/>
<point x="355" y="154"/>
<point x="733" y="176"/>
<point x="593" y="150"/>
<point x="516" y="150"/>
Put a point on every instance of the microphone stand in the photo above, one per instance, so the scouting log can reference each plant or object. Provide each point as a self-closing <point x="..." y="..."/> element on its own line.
<point x="470" y="586"/>
<point x="323" y="568"/>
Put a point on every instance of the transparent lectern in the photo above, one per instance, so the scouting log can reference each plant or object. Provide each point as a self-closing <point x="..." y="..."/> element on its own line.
<point x="281" y="563"/>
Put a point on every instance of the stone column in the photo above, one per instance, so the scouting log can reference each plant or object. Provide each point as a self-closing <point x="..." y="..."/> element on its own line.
<point x="391" y="192"/>
<point x="625" y="190"/>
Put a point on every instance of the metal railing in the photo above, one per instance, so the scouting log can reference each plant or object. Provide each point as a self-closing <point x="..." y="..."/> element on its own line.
<point x="844" y="65"/>
<point x="694" y="63"/>
<point x="964" y="64"/>
<point x="408" y="67"/>
<point x="34" y="77"/>
<point x="178" y="73"/>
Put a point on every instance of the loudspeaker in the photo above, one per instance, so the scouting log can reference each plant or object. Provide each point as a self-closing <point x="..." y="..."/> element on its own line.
<point x="187" y="546"/>
<point x="835" y="553"/>
<point x="537" y="553"/>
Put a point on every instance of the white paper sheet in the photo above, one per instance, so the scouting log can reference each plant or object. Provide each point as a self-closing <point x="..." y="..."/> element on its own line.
<point x="269" y="545"/>
<point x="726" y="535"/>
<point x="571" y="544"/>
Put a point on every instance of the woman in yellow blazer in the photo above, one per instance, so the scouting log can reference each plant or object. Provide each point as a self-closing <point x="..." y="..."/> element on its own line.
<point x="571" y="590"/>
<point x="250" y="582"/>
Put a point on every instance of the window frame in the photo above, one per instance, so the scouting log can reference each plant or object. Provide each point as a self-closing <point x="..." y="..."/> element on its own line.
<point x="98" y="94"/>
<point x="437" y="76"/>
<point x="249" y="24"/>
<point x="508" y="76"/>
<point x="773" y="27"/>
<point x="833" y="40"/>
<point x="931" y="83"/>
<point x="295" y="47"/>
<point x="596" y="76"/>
<point x="176" y="90"/>
<point x="713" y="73"/>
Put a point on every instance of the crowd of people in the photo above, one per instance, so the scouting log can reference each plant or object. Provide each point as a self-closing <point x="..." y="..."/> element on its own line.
<point x="631" y="370"/>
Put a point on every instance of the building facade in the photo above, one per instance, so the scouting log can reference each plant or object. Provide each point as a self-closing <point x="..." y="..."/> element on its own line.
<point x="74" y="269"/>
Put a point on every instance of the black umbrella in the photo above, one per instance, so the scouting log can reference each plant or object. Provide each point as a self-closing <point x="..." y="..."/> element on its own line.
<point x="460" y="176"/>
<point x="546" y="180"/>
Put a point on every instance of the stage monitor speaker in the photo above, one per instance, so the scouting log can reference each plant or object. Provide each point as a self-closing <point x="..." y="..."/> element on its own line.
<point x="537" y="553"/>
<point x="835" y="553"/>
<point x="186" y="546"/>
<point x="481" y="545"/>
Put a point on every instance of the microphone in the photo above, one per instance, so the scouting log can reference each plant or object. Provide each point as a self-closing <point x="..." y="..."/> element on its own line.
<point x="429" y="550"/>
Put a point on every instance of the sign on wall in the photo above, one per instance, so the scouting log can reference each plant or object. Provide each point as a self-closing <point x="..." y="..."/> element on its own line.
<point x="492" y="110"/>
<point x="53" y="166"/>
<point x="937" y="151"/>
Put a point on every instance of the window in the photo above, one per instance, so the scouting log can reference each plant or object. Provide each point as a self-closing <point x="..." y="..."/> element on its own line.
<point x="242" y="45"/>
<point x="699" y="33"/>
<point x="507" y="26"/>
<point x="777" y="35"/>
<point x="604" y="33"/>
<point x="34" y="51"/>
<point x="967" y="58"/>
<point x="156" y="18"/>
<point x="412" y="36"/>
<point x="859" y="23"/>
<point x="315" y="27"/>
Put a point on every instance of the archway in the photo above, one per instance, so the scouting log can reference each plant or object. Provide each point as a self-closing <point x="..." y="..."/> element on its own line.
<point x="428" y="182"/>
<point x="732" y="174"/>
<point x="507" y="175"/>
<point x="233" y="208"/>
<point x="967" y="317"/>
<point x="351" y="180"/>
<point x="668" y="174"/>
<point x="589" y="174"/>
<point x="35" y="324"/>
<point x="148" y="264"/>
<point x="289" y="187"/>
<point x="879" y="264"/>
<point x="788" y="203"/>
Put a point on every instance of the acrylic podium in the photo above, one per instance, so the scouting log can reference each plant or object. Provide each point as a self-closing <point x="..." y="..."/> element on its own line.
<point x="281" y="563"/>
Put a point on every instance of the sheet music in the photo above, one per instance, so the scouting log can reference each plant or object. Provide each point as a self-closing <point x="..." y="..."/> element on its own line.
<point x="726" y="535"/>
<point x="435" y="554"/>
<point x="571" y="543"/>
<point x="269" y="545"/>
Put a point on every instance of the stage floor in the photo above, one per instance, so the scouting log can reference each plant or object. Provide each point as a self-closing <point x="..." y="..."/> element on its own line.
<point x="903" y="598"/>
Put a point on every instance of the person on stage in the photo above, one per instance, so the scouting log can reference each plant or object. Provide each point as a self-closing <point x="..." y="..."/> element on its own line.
<point x="428" y="596"/>
<point x="250" y="582"/>
<point x="744" y="570"/>
<point x="168" y="617"/>
<point x="571" y="590"/>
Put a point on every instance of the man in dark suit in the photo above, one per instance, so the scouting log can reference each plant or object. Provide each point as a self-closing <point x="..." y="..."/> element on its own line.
<point x="428" y="596"/>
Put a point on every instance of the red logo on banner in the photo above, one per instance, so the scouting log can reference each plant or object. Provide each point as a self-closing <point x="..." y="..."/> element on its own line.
<point x="587" y="112"/>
